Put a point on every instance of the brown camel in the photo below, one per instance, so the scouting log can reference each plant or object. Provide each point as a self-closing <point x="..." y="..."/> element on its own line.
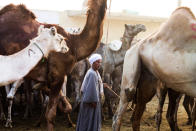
<point x="16" y="33"/>
<point x="167" y="54"/>
<point x="147" y="87"/>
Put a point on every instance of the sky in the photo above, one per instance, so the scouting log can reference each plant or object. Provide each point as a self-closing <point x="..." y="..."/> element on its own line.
<point x="159" y="8"/>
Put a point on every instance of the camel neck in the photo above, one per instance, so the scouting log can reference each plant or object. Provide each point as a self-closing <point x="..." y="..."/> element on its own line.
<point x="18" y="65"/>
<point x="39" y="48"/>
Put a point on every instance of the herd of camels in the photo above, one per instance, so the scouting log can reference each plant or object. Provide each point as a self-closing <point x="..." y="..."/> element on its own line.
<point x="166" y="56"/>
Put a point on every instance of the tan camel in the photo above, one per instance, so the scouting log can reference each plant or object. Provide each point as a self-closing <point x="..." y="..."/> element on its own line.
<point x="168" y="54"/>
<point x="16" y="33"/>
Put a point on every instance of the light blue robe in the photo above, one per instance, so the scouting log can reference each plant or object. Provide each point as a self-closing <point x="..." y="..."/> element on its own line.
<point x="89" y="118"/>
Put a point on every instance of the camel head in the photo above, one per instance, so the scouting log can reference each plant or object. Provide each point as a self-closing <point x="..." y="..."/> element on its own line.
<point x="133" y="30"/>
<point x="50" y="38"/>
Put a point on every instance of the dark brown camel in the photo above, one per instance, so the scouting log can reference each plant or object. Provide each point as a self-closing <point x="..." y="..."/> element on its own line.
<point x="18" y="26"/>
<point x="147" y="87"/>
<point x="174" y="100"/>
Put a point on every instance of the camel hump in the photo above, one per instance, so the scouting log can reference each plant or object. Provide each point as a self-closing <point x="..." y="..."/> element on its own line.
<point x="180" y="27"/>
<point x="115" y="45"/>
<point x="18" y="8"/>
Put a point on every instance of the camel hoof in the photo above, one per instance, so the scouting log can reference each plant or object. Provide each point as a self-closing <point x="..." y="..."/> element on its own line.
<point x="2" y="118"/>
<point x="8" y="124"/>
<point x="116" y="123"/>
<point x="129" y="94"/>
<point x="38" y="124"/>
<point x="115" y="126"/>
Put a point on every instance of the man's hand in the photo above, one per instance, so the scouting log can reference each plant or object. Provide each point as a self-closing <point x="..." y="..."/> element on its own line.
<point x="92" y="104"/>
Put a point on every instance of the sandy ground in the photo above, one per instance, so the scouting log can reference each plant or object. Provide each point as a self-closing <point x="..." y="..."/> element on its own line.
<point x="147" y="123"/>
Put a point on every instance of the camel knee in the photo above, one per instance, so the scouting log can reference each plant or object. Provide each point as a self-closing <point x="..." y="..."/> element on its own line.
<point x="130" y="93"/>
<point x="50" y="115"/>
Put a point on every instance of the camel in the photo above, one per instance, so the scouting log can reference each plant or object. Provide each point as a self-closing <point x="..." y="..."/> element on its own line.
<point x="166" y="54"/>
<point x="16" y="33"/>
<point x="16" y="66"/>
<point x="114" y="58"/>
<point x="147" y="87"/>
<point x="11" y="91"/>
<point x="174" y="99"/>
<point x="71" y="87"/>
<point x="46" y="41"/>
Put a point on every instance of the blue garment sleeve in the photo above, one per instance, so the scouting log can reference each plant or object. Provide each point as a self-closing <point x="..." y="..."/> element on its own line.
<point x="90" y="92"/>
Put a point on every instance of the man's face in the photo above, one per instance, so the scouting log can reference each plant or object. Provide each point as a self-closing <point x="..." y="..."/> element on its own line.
<point x="97" y="64"/>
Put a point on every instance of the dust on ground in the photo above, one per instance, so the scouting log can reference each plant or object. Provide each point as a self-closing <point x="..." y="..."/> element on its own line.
<point x="147" y="122"/>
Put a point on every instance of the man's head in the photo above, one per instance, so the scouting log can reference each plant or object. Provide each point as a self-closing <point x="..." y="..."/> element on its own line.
<point x="95" y="61"/>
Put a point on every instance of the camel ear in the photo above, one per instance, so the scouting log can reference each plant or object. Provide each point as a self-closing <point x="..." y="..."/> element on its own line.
<point x="53" y="30"/>
<point x="41" y="28"/>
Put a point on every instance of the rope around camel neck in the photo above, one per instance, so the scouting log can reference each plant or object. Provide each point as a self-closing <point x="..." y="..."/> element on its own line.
<point x="40" y="50"/>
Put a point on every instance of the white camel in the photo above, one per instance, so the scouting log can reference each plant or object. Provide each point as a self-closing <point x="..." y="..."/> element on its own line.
<point x="18" y="65"/>
<point x="169" y="54"/>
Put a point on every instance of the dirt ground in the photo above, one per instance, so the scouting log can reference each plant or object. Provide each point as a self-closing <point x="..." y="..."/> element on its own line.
<point x="147" y="123"/>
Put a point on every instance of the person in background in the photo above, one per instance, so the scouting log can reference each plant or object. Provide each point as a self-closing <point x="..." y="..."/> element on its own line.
<point x="89" y="118"/>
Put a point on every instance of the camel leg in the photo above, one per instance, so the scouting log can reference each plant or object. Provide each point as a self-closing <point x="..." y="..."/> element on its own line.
<point x="14" y="88"/>
<point x="193" y="114"/>
<point x="137" y="115"/>
<point x="176" y="111"/>
<point x="161" y="94"/>
<point x="119" y="112"/>
<point x="51" y="112"/>
<point x="63" y="97"/>
<point x="64" y="101"/>
<point x="186" y="104"/>
<point x="2" y="116"/>
<point x="107" y="79"/>
<point x="9" y="118"/>
<point x="107" y="102"/>
<point x="10" y="97"/>
<point x="77" y="85"/>
<point x="55" y="84"/>
<point x="29" y="102"/>
<point x="172" y="109"/>
<point x="146" y="89"/>
<point x="130" y="77"/>
<point x="51" y="109"/>
<point x="63" y="88"/>
<point x="44" y="105"/>
<point x="61" y="107"/>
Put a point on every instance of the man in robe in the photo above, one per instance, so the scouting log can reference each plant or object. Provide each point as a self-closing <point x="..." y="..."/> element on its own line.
<point x="89" y="118"/>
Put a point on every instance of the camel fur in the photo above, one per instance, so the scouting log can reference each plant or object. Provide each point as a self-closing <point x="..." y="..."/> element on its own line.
<point x="167" y="54"/>
<point x="16" y="66"/>
<point x="16" y="33"/>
